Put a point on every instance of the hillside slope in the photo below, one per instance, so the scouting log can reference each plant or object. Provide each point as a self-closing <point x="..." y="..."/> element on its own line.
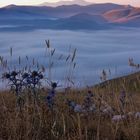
<point x="130" y="83"/>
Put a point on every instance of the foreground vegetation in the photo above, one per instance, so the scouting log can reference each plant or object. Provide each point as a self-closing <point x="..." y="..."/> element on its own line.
<point x="37" y="121"/>
<point x="107" y="111"/>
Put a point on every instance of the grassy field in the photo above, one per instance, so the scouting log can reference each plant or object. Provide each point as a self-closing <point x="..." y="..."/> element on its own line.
<point x="38" y="122"/>
<point x="107" y="111"/>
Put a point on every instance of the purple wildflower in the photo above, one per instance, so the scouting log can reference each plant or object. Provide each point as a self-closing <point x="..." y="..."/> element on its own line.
<point x="88" y="100"/>
<point x="51" y="96"/>
<point x="71" y="104"/>
<point x="122" y="99"/>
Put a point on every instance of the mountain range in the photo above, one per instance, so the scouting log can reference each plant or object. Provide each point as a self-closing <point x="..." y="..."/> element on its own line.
<point x="72" y="17"/>
<point x="60" y="3"/>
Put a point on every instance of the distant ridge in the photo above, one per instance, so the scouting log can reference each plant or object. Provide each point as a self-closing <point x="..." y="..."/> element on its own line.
<point x="128" y="17"/>
<point x="60" y="3"/>
<point x="56" y="12"/>
<point x="10" y="6"/>
<point x="89" y="17"/>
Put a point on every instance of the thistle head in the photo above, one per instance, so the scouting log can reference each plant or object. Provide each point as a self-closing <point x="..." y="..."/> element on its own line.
<point x="122" y="94"/>
<point x="34" y="74"/>
<point x="6" y="75"/>
<point x="54" y="85"/>
<point x="14" y="73"/>
<point x="41" y="76"/>
<point x="25" y="75"/>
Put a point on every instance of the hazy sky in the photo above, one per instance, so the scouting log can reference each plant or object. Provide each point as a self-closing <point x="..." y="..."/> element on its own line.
<point x="35" y="2"/>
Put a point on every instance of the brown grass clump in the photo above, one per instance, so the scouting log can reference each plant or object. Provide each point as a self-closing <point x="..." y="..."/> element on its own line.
<point x="62" y="123"/>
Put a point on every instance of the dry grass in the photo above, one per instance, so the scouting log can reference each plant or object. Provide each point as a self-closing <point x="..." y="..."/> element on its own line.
<point x="38" y="123"/>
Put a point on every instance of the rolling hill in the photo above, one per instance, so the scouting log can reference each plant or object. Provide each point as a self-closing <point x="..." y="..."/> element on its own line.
<point x="124" y="17"/>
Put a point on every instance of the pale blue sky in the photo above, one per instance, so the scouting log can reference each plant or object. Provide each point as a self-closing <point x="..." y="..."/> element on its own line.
<point x="35" y="2"/>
